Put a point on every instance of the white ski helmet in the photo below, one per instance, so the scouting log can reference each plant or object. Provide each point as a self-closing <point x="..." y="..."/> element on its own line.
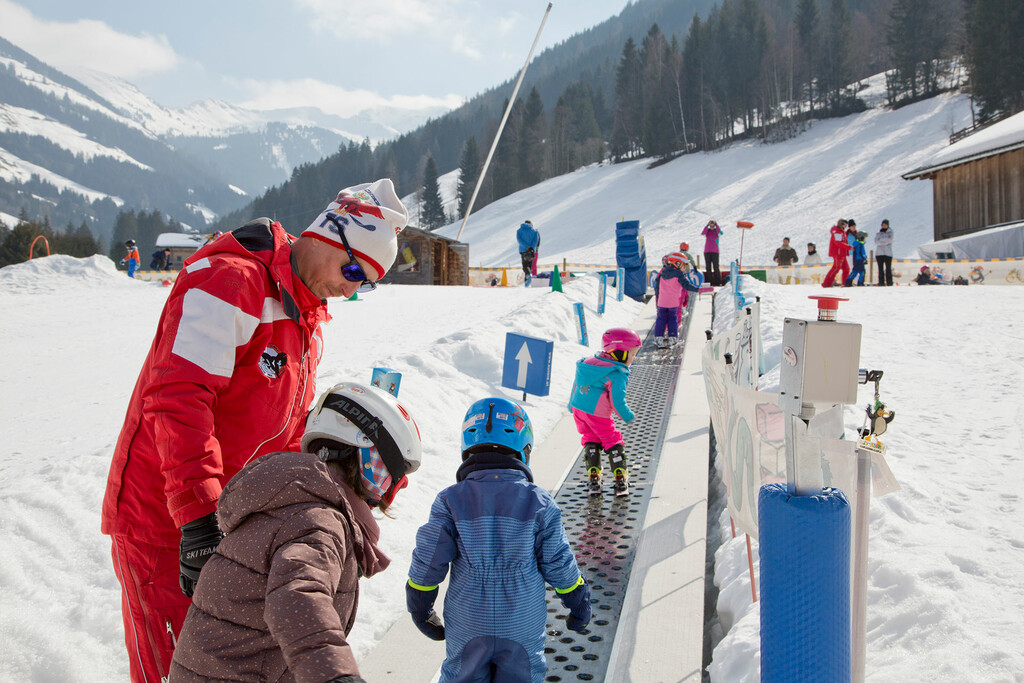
<point x="372" y="420"/>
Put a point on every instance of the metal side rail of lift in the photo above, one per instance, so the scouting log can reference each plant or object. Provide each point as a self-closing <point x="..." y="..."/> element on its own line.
<point x="604" y="530"/>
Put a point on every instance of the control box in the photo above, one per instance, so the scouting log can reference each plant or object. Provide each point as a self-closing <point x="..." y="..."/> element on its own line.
<point x="820" y="364"/>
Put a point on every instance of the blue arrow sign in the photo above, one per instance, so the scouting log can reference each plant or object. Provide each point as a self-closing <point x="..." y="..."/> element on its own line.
<point x="527" y="364"/>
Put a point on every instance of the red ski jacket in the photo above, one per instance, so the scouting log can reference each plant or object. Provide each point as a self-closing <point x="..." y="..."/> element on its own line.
<point x="838" y="247"/>
<point x="230" y="376"/>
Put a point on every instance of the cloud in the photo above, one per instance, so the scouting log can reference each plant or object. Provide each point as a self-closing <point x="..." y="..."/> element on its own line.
<point x="381" y="21"/>
<point x="331" y="99"/>
<point x="63" y="44"/>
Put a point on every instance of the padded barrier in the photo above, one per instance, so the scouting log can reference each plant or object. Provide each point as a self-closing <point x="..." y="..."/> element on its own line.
<point x="631" y="256"/>
<point x="805" y="585"/>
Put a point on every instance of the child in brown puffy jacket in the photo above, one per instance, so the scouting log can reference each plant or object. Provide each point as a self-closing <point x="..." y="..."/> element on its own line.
<point x="278" y="598"/>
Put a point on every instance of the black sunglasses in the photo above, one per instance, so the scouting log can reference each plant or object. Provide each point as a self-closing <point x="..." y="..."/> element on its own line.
<point x="351" y="271"/>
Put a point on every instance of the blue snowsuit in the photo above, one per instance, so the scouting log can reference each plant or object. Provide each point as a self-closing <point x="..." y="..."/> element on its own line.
<point x="860" y="255"/>
<point x="502" y="536"/>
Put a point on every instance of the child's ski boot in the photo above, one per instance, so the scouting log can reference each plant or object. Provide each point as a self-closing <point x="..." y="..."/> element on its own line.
<point x="592" y="458"/>
<point x="617" y="458"/>
<point x="662" y="342"/>
<point x="621" y="483"/>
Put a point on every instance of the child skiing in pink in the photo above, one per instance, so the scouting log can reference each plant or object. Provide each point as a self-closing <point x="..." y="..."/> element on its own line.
<point x="671" y="287"/>
<point x="600" y="388"/>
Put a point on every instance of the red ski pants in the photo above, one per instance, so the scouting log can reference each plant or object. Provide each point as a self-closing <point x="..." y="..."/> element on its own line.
<point x="152" y="605"/>
<point x="838" y="263"/>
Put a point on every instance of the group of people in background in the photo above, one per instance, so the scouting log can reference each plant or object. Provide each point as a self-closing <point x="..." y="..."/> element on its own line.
<point x="161" y="259"/>
<point x="847" y="249"/>
<point x="846" y="246"/>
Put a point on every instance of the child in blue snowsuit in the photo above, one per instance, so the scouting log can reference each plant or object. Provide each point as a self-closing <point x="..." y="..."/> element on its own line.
<point x="670" y="292"/>
<point x="856" y="241"/>
<point x="529" y="242"/>
<point x="502" y="537"/>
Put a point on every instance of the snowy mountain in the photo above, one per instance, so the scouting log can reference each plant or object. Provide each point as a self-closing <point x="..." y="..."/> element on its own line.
<point x="84" y="145"/>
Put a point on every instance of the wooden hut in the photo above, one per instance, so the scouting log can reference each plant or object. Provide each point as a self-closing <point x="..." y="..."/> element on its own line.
<point x="978" y="181"/>
<point x="426" y="258"/>
<point x="182" y="245"/>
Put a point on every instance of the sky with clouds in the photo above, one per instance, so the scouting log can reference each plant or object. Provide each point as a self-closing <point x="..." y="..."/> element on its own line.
<point x="268" y="54"/>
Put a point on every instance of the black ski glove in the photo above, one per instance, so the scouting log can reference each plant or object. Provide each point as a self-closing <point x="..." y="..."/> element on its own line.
<point x="199" y="538"/>
<point x="578" y="602"/>
<point x="421" y="606"/>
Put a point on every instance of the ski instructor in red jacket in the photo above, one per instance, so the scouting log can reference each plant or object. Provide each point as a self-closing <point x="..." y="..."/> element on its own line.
<point x="229" y="377"/>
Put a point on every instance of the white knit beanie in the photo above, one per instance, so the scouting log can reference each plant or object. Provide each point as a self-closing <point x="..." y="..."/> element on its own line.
<point x="372" y="215"/>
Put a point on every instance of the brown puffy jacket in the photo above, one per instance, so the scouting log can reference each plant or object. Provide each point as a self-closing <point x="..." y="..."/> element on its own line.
<point x="277" y="599"/>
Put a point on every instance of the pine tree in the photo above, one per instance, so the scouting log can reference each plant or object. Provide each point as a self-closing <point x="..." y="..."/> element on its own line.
<point x="432" y="213"/>
<point x="658" y="130"/>
<point x="808" y="31"/>
<point x="916" y="35"/>
<point x="626" y="126"/>
<point x="995" y="55"/>
<point x="469" y="173"/>
<point x="531" y="142"/>
<point x="505" y="162"/>
<point x="838" y="72"/>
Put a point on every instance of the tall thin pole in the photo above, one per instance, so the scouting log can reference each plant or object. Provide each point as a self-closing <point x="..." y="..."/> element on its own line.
<point x="501" y="126"/>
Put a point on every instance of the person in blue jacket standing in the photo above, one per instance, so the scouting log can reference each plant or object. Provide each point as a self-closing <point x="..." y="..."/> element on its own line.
<point x="502" y="537"/>
<point x="529" y="243"/>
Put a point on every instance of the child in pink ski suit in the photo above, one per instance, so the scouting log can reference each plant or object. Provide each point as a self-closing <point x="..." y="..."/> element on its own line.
<point x="600" y="388"/>
<point x="671" y="291"/>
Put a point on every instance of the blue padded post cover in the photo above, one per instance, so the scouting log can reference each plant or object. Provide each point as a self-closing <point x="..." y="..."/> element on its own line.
<point x="631" y="256"/>
<point x="804" y="549"/>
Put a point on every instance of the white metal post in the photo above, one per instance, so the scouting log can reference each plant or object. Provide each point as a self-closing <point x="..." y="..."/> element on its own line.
<point x="859" y="596"/>
<point x="501" y="126"/>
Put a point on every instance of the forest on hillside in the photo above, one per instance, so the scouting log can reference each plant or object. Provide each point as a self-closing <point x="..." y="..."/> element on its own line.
<point x="686" y="82"/>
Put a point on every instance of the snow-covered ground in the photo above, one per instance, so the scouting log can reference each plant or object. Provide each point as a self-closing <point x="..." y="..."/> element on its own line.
<point x="945" y="594"/>
<point x="839" y="168"/>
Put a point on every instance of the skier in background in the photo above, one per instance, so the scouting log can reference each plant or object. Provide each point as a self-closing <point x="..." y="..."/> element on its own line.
<point x="278" y="597"/>
<point x="161" y="259"/>
<point x="671" y="293"/>
<point x="229" y="377"/>
<point x="712" y="233"/>
<point x="813" y="258"/>
<point x="785" y="255"/>
<point x="883" y="254"/>
<point x="502" y="537"/>
<point x="529" y="242"/>
<point x="600" y="388"/>
<point x="132" y="258"/>
<point x="838" y="248"/>
<point x="859" y="259"/>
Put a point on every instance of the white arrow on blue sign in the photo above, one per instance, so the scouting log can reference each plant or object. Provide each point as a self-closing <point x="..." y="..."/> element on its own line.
<point x="527" y="364"/>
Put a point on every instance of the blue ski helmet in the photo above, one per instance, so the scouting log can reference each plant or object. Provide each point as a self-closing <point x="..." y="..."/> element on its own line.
<point x="497" y="422"/>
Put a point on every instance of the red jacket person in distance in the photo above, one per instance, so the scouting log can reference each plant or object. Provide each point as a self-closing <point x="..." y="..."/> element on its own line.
<point x="229" y="377"/>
